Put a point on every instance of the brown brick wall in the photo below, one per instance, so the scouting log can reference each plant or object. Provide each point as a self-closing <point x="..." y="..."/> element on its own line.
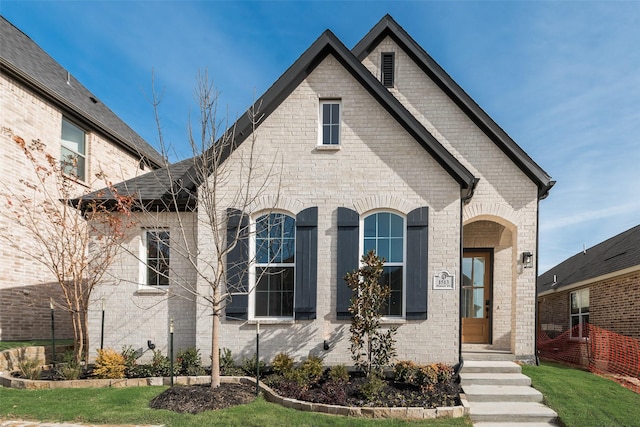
<point x="614" y="305"/>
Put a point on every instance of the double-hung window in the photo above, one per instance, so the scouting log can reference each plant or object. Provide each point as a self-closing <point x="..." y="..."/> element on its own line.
<point x="384" y="233"/>
<point x="73" y="150"/>
<point x="274" y="266"/>
<point x="579" y="313"/>
<point x="330" y="123"/>
<point x="156" y="257"/>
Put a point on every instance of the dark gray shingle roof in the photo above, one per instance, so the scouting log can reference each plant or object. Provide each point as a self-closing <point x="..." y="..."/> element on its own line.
<point x="23" y="59"/>
<point x="615" y="254"/>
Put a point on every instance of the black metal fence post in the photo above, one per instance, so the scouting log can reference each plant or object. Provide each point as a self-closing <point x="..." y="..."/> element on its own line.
<point x="171" y="349"/>
<point x="102" y="327"/>
<point x="257" y="358"/>
<point x="53" y="332"/>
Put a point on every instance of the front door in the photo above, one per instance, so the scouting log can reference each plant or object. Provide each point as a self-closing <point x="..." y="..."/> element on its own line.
<point x="476" y="296"/>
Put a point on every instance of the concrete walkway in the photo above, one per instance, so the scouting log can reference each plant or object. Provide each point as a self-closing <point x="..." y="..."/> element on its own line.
<point x="499" y="395"/>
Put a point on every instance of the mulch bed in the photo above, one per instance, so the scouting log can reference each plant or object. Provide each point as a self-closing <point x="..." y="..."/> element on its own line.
<point x="198" y="398"/>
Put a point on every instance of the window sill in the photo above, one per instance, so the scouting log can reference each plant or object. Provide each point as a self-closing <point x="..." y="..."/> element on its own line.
<point x="272" y="321"/>
<point x="393" y="321"/>
<point x="148" y="290"/>
<point x="334" y="147"/>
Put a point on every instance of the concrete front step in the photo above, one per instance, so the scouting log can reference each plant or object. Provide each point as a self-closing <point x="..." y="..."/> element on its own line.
<point x="487" y="355"/>
<point x="476" y="378"/>
<point x="513" y="412"/>
<point x="501" y="393"/>
<point x="491" y="366"/>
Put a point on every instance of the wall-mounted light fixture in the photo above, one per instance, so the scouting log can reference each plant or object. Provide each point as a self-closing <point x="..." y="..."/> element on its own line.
<point x="527" y="259"/>
<point x="151" y="345"/>
<point x="325" y="345"/>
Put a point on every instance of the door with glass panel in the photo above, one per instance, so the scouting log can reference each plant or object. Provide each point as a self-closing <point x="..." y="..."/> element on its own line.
<point x="476" y="297"/>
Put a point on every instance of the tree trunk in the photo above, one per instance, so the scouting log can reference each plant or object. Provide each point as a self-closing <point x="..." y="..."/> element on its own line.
<point x="215" y="352"/>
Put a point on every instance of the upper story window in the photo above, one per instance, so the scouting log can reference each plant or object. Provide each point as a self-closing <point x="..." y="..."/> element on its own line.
<point x="387" y="69"/>
<point x="579" y="313"/>
<point x="384" y="233"/>
<point x="73" y="150"/>
<point x="274" y="266"/>
<point x="156" y="257"/>
<point x="330" y="123"/>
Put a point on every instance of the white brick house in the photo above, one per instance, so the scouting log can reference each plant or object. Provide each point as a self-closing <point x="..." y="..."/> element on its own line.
<point x="39" y="99"/>
<point x="375" y="147"/>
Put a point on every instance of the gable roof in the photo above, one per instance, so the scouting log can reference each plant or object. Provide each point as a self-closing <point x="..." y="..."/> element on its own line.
<point x="329" y="44"/>
<point x="615" y="254"/>
<point x="388" y="27"/>
<point x="24" y="60"/>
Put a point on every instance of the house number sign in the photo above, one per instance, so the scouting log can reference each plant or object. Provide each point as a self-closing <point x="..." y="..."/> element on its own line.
<point x="444" y="280"/>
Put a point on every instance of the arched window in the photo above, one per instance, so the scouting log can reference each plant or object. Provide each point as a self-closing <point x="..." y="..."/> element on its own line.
<point x="384" y="233"/>
<point x="274" y="266"/>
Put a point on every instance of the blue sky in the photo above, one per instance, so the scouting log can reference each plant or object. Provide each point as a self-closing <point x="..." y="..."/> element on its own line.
<point x="562" y="78"/>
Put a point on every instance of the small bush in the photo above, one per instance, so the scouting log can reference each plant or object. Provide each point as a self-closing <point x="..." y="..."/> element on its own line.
<point x="249" y="365"/>
<point x="282" y="363"/>
<point x="292" y="389"/>
<point x="70" y="369"/>
<point x="160" y="366"/>
<point x="339" y="373"/>
<point x="228" y="364"/>
<point x="332" y="393"/>
<point x="109" y="364"/>
<point x="404" y="371"/>
<point x="29" y="367"/>
<point x="372" y="389"/>
<point x="312" y="368"/>
<point x="189" y="362"/>
<point x="130" y="360"/>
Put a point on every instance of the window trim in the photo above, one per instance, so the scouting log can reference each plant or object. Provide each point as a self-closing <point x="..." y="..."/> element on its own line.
<point x="143" y="278"/>
<point x="363" y="217"/>
<point x="580" y="315"/>
<point x="321" y="144"/>
<point x="82" y="178"/>
<point x="253" y="264"/>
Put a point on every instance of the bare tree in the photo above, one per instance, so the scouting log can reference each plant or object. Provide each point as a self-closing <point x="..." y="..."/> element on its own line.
<point x="76" y="248"/>
<point x="220" y="178"/>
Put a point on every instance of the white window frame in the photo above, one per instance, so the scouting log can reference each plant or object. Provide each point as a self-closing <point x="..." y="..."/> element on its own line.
<point x="68" y="145"/>
<point x="402" y="264"/>
<point x="321" y="126"/>
<point x="253" y="279"/>
<point x="580" y="294"/>
<point x="143" y="265"/>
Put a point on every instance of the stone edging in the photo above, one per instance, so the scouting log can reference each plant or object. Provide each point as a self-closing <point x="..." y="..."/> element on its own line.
<point x="6" y="380"/>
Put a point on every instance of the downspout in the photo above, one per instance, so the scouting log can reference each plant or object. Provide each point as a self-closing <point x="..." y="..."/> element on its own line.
<point x="535" y="336"/>
<point x="463" y="201"/>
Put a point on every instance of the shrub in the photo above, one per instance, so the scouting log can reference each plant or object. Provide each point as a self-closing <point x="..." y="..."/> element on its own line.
<point x="109" y="364"/>
<point x="189" y="362"/>
<point x="249" y="365"/>
<point x="70" y="369"/>
<point x="332" y="393"/>
<point x="282" y="363"/>
<point x="312" y="369"/>
<point x="29" y="367"/>
<point x="228" y="364"/>
<point x="339" y="373"/>
<point x="130" y="360"/>
<point x="404" y="371"/>
<point x="160" y="366"/>
<point x="292" y="389"/>
<point x="372" y="389"/>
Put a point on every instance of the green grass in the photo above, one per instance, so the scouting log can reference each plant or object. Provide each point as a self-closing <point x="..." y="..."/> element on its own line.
<point x="583" y="399"/>
<point x="130" y="406"/>
<point x="6" y="345"/>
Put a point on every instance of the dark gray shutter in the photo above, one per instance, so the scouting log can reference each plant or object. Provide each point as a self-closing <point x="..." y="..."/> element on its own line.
<point x="237" y="264"/>
<point x="306" y="264"/>
<point x="387" y="69"/>
<point x="348" y="257"/>
<point x="417" y="257"/>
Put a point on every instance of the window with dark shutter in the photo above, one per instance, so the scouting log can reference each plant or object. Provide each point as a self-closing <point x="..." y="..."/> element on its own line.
<point x="388" y="63"/>
<point x="348" y="258"/>
<point x="417" y="263"/>
<point x="306" y="264"/>
<point x="237" y="264"/>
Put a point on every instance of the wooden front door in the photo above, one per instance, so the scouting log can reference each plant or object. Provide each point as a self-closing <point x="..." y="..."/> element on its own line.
<point x="476" y="296"/>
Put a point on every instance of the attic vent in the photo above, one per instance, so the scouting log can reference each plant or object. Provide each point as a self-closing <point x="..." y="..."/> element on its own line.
<point x="388" y="60"/>
<point x="95" y="101"/>
<point x="68" y="78"/>
<point x="615" y="256"/>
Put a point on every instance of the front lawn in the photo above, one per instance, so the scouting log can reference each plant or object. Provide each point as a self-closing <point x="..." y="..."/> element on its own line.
<point x="583" y="399"/>
<point x="131" y="406"/>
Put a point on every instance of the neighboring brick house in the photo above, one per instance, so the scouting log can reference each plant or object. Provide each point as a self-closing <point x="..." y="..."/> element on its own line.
<point x="374" y="147"/>
<point x="599" y="286"/>
<point x="39" y="99"/>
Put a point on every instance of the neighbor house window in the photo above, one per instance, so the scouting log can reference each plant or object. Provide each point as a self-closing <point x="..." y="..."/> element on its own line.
<point x="73" y="150"/>
<point x="156" y="257"/>
<point x="579" y="313"/>
<point x="274" y="266"/>
<point x="384" y="233"/>
<point x="330" y="122"/>
<point x="387" y="68"/>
